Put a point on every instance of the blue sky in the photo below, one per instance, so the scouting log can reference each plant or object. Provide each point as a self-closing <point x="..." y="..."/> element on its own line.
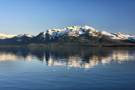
<point x="34" y="16"/>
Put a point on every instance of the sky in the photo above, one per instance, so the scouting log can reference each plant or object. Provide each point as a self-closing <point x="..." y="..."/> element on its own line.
<point x="35" y="16"/>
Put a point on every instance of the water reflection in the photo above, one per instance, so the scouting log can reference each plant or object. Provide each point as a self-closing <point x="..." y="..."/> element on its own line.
<point x="7" y="56"/>
<point x="78" y="57"/>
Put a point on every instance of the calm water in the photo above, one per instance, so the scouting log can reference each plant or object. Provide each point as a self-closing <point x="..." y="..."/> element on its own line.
<point x="67" y="68"/>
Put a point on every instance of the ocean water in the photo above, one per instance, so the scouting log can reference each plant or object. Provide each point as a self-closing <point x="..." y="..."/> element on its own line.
<point x="67" y="68"/>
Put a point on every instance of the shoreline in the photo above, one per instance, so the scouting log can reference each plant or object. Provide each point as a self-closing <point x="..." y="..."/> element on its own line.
<point x="43" y="45"/>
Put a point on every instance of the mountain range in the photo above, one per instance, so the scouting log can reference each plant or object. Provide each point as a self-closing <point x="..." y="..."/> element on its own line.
<point x="74" y="35"/>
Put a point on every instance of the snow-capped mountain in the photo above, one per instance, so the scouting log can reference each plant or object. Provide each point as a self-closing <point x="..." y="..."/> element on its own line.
<point x="72" y="31"/>
<point x="68" y="32"/>
<point x="119" y="36"/>
<point x="22" y="37"/>
<point x="4" y="36"/>
<point x="75" y="31"/>
<point x="74" y="35"/>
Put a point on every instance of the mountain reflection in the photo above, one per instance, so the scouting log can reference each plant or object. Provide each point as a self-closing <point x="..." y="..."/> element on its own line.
<point x="70" y="57"/>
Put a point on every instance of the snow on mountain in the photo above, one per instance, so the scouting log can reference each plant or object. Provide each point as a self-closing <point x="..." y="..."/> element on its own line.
<point x="4" y="36"/>
<point x="74" y="31"/>
<point x="23" y="37"/>
<point x="77" y="31"/>
<point x="71" y="31"/>
<point x="119" y="36"/>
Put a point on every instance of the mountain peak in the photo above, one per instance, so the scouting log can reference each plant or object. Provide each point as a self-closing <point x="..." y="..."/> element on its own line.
<point x="27" y="35"/>
<point x="74" y="34"/>
<point x="88" y="27"/>
<point x="4" y="36"/>
<point x="71" y="31"/>
<point x="119" y="36"/>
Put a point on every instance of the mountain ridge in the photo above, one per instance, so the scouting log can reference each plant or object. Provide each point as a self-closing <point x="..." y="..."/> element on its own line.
<point x="119" y="36"/>
<point x="74" y="35"/>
